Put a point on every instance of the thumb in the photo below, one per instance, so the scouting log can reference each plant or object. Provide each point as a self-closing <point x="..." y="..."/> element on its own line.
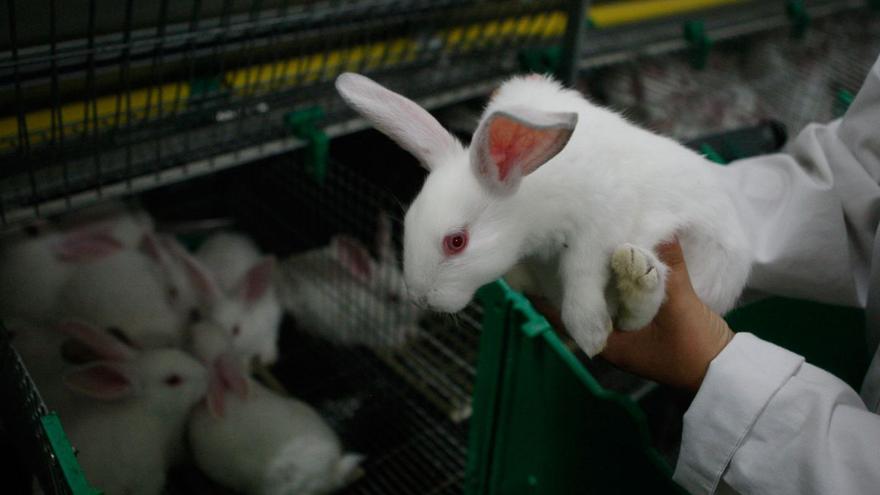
<point x="672" y="256"/>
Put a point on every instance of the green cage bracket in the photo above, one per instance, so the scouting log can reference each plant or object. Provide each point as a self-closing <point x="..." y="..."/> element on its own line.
<point x="64" y="453"/>
<point x="304" y="125"/>
<point x="528" y="385"/>
<point x="203" y="87"/>
<point x="842" y="100"/>
<point x="799" y="17"/>
<point x="545" y="60"/>
<point x="712" y="154"/>
<point x="698" y="42"/>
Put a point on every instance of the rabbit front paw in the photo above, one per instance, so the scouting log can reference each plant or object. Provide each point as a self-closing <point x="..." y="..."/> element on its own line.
<point x="590" y="329"/>
<point x="640" y="280"/>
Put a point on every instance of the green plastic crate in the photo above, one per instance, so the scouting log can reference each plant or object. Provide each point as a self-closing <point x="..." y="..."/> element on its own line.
<point x="542" y="424"/>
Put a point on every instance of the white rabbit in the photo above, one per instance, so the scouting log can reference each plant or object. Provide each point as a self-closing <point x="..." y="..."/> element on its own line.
<point x="269" y="445"/>
<point x="34" y="266"/>
<point x="48" y="350"/>
<point x="554" y="181"/>
<point x="341" y="293"/>
<point x="130" y="433"/>
<point x="244" y="275"/>
<point x="128" y="291"/>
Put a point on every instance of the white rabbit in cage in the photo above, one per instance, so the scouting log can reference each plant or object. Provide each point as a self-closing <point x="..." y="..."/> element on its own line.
<point x="134" y="291"/>
<point x="339" y="292"/>
<point x="34" y="266"/>
<point x="270" y="445"/>
<point x="132" y="429"/>
<point x="568" y="188"/>
<point x="245" y="276"/>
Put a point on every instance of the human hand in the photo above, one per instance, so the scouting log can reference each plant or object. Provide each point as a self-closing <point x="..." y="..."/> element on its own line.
<point x="678" y="345"/>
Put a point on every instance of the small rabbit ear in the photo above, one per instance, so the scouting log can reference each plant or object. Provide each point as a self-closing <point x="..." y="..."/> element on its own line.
<point x="215" y="398"/>
<point x="257" y="280"/>
<point x="83" y="245"/>
<point x="232" y="375"/>
<point x="508" y="145"/>
<point x="399" y="118"/>
<point x="384" y="242"/>
<point x="199" y="277"/>
<point x="353" y="256"/>
<point x="101" y="380"/>
<point x="103" y="345"/>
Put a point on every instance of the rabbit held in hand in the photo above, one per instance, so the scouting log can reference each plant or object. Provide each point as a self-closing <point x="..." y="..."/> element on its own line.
<point x="560" y="184"/>
<point x="269" y="445"/>
<point x="131" y="432"/>
<point x="339" y="292"/>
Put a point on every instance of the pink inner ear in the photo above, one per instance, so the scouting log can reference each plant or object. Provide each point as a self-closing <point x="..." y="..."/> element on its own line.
<point x="86" y="245"/>
<point x="257" y="280"/>
<point x="512" y="145"/>
<point x="354" y="256"/>
<point x="100" y="381"/>
<point x="97" y="340"/>
<point x="215" y="399"/>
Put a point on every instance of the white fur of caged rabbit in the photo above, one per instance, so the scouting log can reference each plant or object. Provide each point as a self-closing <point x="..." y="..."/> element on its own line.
<point x="565" y="186"/>
<point x="130" y="430"/>
<point x="244" y="276"/>
<point x="270" y="445"/>
<point x="339" y="292"/>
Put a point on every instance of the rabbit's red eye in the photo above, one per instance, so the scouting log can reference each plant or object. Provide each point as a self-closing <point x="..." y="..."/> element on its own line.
<point x="236" y="330"/>
<point x="173" y="293"/>
<point x="173" y="380"/>
<point x="455" y="243"/>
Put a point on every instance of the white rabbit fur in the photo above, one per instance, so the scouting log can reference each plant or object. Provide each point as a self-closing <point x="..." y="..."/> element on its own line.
<point x="339" y="292"/>
<point x="609" y="184"/>
<point x="130" y="433"/>
<point x="123" y="291"/>
<point x="33" y="268"/>
<point x="233" y="259"/>
<point x="269" y="445"/>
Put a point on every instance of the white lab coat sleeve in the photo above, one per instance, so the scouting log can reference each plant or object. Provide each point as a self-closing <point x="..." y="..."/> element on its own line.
<point x="765" y="421"/>
<point x="811" y="213"/>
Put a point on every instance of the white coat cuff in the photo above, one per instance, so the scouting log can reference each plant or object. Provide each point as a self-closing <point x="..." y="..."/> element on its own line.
<point x="738" y="385"/>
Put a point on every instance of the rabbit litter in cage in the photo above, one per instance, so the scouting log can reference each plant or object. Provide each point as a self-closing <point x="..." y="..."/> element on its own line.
<point x="339" y="292"/>
<point x="572" y="190"/>
<point x="267" y="444"/>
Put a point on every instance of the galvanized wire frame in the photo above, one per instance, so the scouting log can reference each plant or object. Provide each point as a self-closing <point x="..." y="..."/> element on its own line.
<point x="104" y="103"/>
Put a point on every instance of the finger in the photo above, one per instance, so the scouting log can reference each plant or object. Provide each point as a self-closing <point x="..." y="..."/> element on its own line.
<point x="671" y="254"/>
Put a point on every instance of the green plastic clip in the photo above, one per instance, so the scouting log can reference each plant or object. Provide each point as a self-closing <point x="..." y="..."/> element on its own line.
<point x="842" y="102"/>
<point x="544" y="60"/>
<point x="63" y="451"/>
<point x="304" y="125"/>
<point x="712" y="154"/>
<point x="699" y="43"/>
<point x="203" y="87"/>
<point x="799" y="17"/>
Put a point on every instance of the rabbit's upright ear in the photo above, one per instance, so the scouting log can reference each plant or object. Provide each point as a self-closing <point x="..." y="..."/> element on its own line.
<point x="399" y="118"/>
<point x="510" y="144"/>
<point x="200" y="278"/>
<point x="98" y="342"/>
<point x="256" y="281"/>
<point x="353" y="256"/>
<point x="100" y="380"/>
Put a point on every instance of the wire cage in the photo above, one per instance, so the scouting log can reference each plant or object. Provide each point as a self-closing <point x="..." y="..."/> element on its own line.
<point x="103" y="98"/>
<point x="405" y="406"/>
<point x="106" y="99"/>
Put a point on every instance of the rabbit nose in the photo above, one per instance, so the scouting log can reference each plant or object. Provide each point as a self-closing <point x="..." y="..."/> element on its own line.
<point x="421" y="301"/>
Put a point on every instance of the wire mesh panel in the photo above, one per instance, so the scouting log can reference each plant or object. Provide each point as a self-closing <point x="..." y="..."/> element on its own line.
<point x="769" y="76"/>
<point x="399" y="395"/>
<point x="101" y="97"/>
<point x="39" y="442"/>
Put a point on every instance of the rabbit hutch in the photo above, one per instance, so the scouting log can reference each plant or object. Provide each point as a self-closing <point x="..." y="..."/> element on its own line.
<point x="215" y="116"/>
